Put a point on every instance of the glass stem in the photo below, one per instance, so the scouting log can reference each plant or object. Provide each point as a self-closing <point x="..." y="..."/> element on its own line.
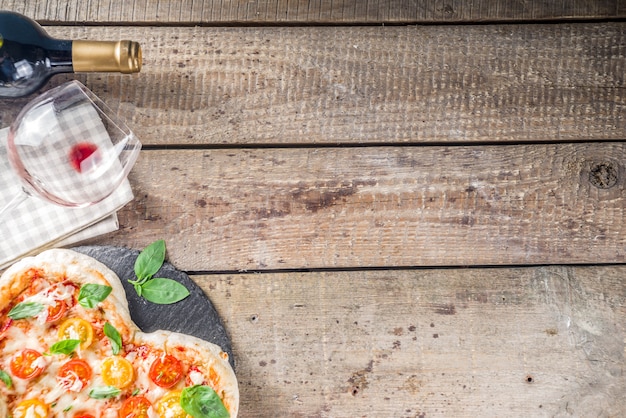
<point x="13" y="203"/>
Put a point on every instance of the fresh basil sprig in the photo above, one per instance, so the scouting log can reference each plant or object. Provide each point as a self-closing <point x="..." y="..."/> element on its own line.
<point x="6" y="378"/>
<point x="114" y="337"/>
<point x="201" y="401"/>
<point x="91" y="294"/>
<point x="156" y="290"/>
<point x="25" y="310"/>
<point x="66" y="347"/>
<point x="104" y="392"/>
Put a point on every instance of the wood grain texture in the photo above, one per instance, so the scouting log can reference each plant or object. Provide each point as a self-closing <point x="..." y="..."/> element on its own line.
<point x="480" y="342"/>
<point x="220" y="12"/>
<point x="380" y="206"/>
<point x="368" y="85"/>
<point x="381" y="164"/>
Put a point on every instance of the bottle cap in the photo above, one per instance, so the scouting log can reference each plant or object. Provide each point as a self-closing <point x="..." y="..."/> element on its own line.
<point x="106" y="56"/>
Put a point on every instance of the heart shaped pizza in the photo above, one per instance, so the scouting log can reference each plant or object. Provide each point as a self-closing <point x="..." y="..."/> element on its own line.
<point x="69" y="348"/>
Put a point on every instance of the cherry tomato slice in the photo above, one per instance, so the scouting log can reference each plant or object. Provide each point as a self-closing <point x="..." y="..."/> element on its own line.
<point x="135" y="407"/>
<point x="117" y="371"/>
<point x="27" y="364"/>
<point x="169" y="406"/>
<point x="57" y="311"/>
<point x="166" y="371"/>
<point x="76" y="329"/>
<point x="32" y="408"/>
<point x="74" y="375"/>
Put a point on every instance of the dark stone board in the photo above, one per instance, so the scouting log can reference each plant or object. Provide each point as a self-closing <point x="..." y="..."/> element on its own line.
<point x="194" y="315"/>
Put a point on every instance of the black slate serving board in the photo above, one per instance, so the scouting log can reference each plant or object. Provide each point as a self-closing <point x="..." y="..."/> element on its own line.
<point x="194" y="315"/>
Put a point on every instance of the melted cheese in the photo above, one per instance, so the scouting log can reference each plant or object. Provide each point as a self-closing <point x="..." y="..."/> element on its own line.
<point x="196" y="377"/>
<point x="60" y="394"/>
<point x="70" y="382"/>
<point x="54" y="394"/>
<point x="35" y="411"/>
<point x="40" y="363"/>
<point x="168" y="413"/>
<point x="49" y="297"/>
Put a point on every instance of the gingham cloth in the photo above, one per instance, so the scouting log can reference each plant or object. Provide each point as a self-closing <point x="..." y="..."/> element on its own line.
<point x="62" y="180"/>
<point x="36" y="224"/>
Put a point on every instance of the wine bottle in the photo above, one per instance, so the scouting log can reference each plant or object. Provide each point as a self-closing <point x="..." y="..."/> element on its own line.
<point x="29" y="56"/>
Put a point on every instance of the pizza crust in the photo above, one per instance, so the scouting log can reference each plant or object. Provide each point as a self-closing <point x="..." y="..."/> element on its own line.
<point x="79" y="267"/>
<point x="83" y="269"/>
<point x="4" y="409"/>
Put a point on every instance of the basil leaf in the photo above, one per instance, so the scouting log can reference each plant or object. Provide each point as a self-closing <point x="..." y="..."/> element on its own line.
<point x="201" y="401"/>
<point x="91" y="294"/>
<point x="104" y="392"/>
<point x="25" y="310"/>
<point x="163" y="291"/>
<point x="150" y="260"/>
<point x="6" y="378"/>
<point x="114" y="337"/>
<point x="66" y="347"/>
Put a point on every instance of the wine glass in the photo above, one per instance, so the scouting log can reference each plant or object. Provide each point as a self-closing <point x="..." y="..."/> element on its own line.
<point x="69" y="148"/>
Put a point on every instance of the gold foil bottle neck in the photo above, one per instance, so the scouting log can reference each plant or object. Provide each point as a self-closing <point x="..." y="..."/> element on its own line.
<point x="104" y="56"/>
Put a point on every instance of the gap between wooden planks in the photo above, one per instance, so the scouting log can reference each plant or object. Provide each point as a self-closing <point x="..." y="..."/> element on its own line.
<point x="264" y="209"/>
<point x="356" y="85"/>
<point x="480" y="342"/>
<point x="310" y="11"/>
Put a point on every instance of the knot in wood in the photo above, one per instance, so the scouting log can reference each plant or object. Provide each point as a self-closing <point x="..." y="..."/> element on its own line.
<point x="604" y="175"/>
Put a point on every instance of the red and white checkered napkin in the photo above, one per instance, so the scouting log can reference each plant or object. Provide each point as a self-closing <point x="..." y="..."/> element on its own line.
<point x="36" y="224"/>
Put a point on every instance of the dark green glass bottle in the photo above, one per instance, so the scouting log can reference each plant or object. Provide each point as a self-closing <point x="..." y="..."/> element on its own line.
<point x="29" y="56"/>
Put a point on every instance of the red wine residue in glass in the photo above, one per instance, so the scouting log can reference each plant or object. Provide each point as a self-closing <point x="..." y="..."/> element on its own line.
<point x="80" y="152"/>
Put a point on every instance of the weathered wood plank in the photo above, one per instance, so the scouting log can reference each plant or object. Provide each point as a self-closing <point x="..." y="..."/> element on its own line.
<point x="463" y="343"/>
<point x="380" y="206"/>
<point x="369" y="85"/>
<point x="316" y="11"/>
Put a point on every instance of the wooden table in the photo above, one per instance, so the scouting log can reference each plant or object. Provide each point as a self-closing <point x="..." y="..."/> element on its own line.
<point x="399" y="208"/>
